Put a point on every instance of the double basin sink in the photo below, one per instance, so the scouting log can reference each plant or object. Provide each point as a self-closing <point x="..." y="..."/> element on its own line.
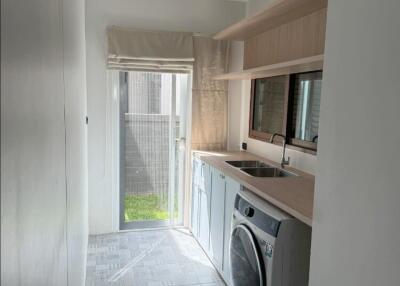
<point x="260" y="169"/>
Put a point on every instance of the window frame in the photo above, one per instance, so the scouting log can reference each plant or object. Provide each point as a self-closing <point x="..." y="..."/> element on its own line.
<point x="264" y="136"/>
<point x="292" y="142"/>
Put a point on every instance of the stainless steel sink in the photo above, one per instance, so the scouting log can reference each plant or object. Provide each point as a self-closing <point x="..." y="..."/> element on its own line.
<point x="267" y="172"/>
<point x="247" y="164"/>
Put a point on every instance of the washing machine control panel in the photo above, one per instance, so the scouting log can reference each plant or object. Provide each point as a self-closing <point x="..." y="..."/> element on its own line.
<point x="260" y="219"/>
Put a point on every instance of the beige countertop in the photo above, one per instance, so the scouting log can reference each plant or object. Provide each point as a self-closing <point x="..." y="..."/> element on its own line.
<point x="294" y="195"/>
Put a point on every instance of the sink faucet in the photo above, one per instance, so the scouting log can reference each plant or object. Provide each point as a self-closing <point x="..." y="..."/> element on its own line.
<point x="283" y="161"/>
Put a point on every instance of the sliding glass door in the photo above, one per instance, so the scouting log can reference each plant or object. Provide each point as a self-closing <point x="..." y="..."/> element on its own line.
<point x="152" y="148"/>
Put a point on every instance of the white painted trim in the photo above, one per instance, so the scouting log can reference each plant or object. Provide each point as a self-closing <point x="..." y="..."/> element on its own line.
<point x="188" y="156"/>
<point x="113" y="119"/>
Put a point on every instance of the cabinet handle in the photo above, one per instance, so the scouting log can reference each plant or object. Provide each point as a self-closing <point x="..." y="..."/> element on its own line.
<point x="222" y="176"/>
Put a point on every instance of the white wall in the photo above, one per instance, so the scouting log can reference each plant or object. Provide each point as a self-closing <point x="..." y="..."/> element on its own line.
<point x="235" y="98"/>
<point x="41" y="189"/>
<point x="76" y="138"/>
<point x="356" y="231"/>
<point x="205" y="16"/>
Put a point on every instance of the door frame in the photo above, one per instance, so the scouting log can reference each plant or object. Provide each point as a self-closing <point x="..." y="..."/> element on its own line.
<point x="112" y="145"/>
<point x="113" y="136"/>
<point x="187" y="179"/>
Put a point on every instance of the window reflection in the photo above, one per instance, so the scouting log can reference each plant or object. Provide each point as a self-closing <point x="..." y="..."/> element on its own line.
<point x="306" y="105"/>
<point x="269" y="104"/>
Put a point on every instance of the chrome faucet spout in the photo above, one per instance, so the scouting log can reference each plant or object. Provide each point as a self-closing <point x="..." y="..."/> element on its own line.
<point x="283" y="160"/>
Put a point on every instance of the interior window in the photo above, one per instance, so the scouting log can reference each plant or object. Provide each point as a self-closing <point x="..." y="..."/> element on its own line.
<point x="305" y="104"/>
<point x="288" y="105"/>
<point x="268" y="104"/>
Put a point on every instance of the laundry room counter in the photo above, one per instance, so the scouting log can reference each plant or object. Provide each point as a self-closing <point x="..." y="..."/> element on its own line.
<point x="294" y="195"/>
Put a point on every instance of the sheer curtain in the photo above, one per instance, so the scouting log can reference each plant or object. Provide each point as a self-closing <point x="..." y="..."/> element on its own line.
<point x="209" y="101"/>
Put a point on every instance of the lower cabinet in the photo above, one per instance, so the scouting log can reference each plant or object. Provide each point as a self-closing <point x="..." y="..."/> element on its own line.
<point x="195" y="210"/>
<point x="195" y="196"/>
<point x="212" y="207"/>
<point x="204" y="220"/>
<point x="201" y="199"/>
<point x="217" y="218"/>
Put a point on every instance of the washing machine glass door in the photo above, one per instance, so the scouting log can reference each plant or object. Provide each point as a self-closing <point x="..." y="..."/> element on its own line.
<point x="246" y="266"/>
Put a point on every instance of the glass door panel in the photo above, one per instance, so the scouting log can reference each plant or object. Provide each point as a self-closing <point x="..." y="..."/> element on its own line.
<point x="150" y="143"/>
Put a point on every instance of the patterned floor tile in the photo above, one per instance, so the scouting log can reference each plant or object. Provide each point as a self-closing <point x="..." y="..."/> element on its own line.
<point x="169" y="257"/>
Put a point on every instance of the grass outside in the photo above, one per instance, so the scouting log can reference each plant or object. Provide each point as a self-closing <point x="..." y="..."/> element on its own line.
<point x="146" y="207"/>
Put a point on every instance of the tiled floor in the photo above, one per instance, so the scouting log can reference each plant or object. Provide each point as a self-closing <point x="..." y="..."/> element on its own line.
<point x="149" y="258"/>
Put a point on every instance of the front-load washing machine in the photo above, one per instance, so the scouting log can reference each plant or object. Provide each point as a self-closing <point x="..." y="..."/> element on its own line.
<point x="268" y="247"/>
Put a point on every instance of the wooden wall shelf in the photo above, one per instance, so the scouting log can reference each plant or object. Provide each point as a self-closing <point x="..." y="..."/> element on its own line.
<point x="295" y="66"/>
<point x="275" y="14"/>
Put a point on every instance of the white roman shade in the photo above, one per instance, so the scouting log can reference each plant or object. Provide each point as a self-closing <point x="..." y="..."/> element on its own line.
<point x="156" y="51"/>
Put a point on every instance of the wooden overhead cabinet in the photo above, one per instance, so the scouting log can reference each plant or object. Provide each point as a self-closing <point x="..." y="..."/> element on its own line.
<point x="288" y="36"/>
